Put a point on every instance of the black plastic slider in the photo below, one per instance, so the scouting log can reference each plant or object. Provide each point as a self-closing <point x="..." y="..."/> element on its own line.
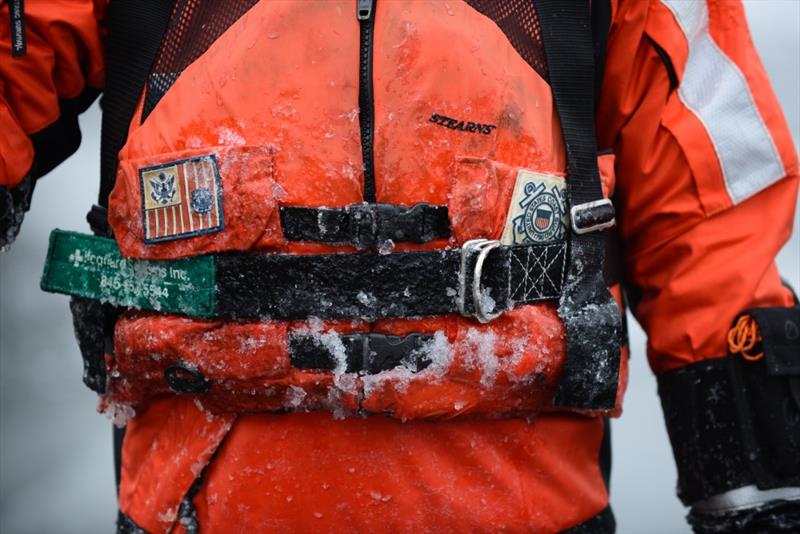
<point x="592" y="216"/>
<point x="363" y="219"/>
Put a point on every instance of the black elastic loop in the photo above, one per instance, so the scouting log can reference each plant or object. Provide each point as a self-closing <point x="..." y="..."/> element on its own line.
<point x="98" y="221"/>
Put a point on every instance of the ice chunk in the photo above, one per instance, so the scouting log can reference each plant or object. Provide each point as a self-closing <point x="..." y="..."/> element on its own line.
<point x="119" y="413"/>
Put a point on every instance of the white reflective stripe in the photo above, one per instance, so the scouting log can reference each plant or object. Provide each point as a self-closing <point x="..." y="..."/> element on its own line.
<point x="745" y="497"/>
<point x="716" y="91"/>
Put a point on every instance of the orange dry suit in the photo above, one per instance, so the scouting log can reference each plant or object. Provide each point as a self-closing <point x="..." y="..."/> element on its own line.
<point x="363" y="275"/>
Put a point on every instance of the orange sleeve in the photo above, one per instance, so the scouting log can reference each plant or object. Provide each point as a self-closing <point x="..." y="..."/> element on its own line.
<point x="706" y="168"/>
<point x="43" y="88"/>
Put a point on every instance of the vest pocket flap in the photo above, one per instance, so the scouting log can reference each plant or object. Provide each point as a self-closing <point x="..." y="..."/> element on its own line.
<point x="194" y="202"/>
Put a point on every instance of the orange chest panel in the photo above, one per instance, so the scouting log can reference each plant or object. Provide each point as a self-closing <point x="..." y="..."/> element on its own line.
<point x="456" y="110"/>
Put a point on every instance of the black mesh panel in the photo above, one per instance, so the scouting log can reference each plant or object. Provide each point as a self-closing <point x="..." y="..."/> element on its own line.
<point x="518" y="20"/>
<point x="193" y="27"/>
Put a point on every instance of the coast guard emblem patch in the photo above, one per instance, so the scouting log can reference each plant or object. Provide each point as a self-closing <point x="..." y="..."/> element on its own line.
<point x="538" y="210"/>
<point x="181" y="199"/>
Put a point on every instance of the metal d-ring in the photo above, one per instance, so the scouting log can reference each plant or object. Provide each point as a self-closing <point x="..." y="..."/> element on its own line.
<point x="481" y="314"/>
<point x="466" y="251"/>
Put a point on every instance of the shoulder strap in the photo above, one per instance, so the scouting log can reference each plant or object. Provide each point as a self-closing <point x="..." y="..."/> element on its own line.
<point x="589" y="312"/>
<point x="135" y="29"/>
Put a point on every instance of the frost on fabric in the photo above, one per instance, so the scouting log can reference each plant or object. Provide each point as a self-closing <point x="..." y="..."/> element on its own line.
<point x="330" y="340"/>
<point x="344" y="383"/>
<point x="479" y="354"/>
<point x="229" y="137"/>
<point x="295" y="396"/>
<point x="487" y="303"/>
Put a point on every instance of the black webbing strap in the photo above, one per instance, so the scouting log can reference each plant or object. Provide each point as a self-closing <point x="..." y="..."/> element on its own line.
<point x="588" y="310"/>
<point x="481" y="280"/>
<point x="601" y="21"/>
<point x="135" y="28"/>
<point x="375" y="286"/>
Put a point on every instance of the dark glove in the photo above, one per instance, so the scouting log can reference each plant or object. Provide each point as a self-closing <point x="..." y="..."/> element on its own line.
<point x="14" y="202"/>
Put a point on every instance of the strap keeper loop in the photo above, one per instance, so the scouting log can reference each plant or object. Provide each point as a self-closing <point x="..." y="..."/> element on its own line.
<point x="592" y="216"/>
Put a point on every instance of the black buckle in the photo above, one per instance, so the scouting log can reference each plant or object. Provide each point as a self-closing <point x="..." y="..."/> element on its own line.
<point x="381" y="352"/>
<point x="366" y="353"/>
<point x="380" y="225"/>
<point x="364" y="224"/>
<point x="592" y="216"/>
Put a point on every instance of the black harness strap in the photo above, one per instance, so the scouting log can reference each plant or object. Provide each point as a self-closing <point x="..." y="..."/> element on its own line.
<point x="589" y="312"/>
<point x="135" y="29"/>
<point x="375" y="286"/>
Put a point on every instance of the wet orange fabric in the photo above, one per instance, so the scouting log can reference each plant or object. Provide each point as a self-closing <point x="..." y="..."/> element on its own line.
<point x="382" y="475"/>
<point x="64" y="56"/>
<point x="694" y="260"/>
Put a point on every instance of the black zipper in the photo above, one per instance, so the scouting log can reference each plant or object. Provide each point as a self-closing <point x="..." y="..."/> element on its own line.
<point x="366" y="102"/>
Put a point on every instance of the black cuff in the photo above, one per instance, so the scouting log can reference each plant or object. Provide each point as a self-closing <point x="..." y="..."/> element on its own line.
<point x="734" y="422"/>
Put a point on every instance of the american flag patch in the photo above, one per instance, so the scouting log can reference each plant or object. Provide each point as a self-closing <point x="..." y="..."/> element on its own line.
<point x="181" y="199"/>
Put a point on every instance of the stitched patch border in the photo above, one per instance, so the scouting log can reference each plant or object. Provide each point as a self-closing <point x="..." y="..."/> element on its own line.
<point x="181" y="199"/>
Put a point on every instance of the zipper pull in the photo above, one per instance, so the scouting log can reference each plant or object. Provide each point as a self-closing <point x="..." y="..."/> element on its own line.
<point x="365" y="9"/>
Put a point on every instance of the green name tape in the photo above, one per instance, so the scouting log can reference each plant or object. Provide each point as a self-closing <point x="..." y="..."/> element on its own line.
<point x="92" y="267"/>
